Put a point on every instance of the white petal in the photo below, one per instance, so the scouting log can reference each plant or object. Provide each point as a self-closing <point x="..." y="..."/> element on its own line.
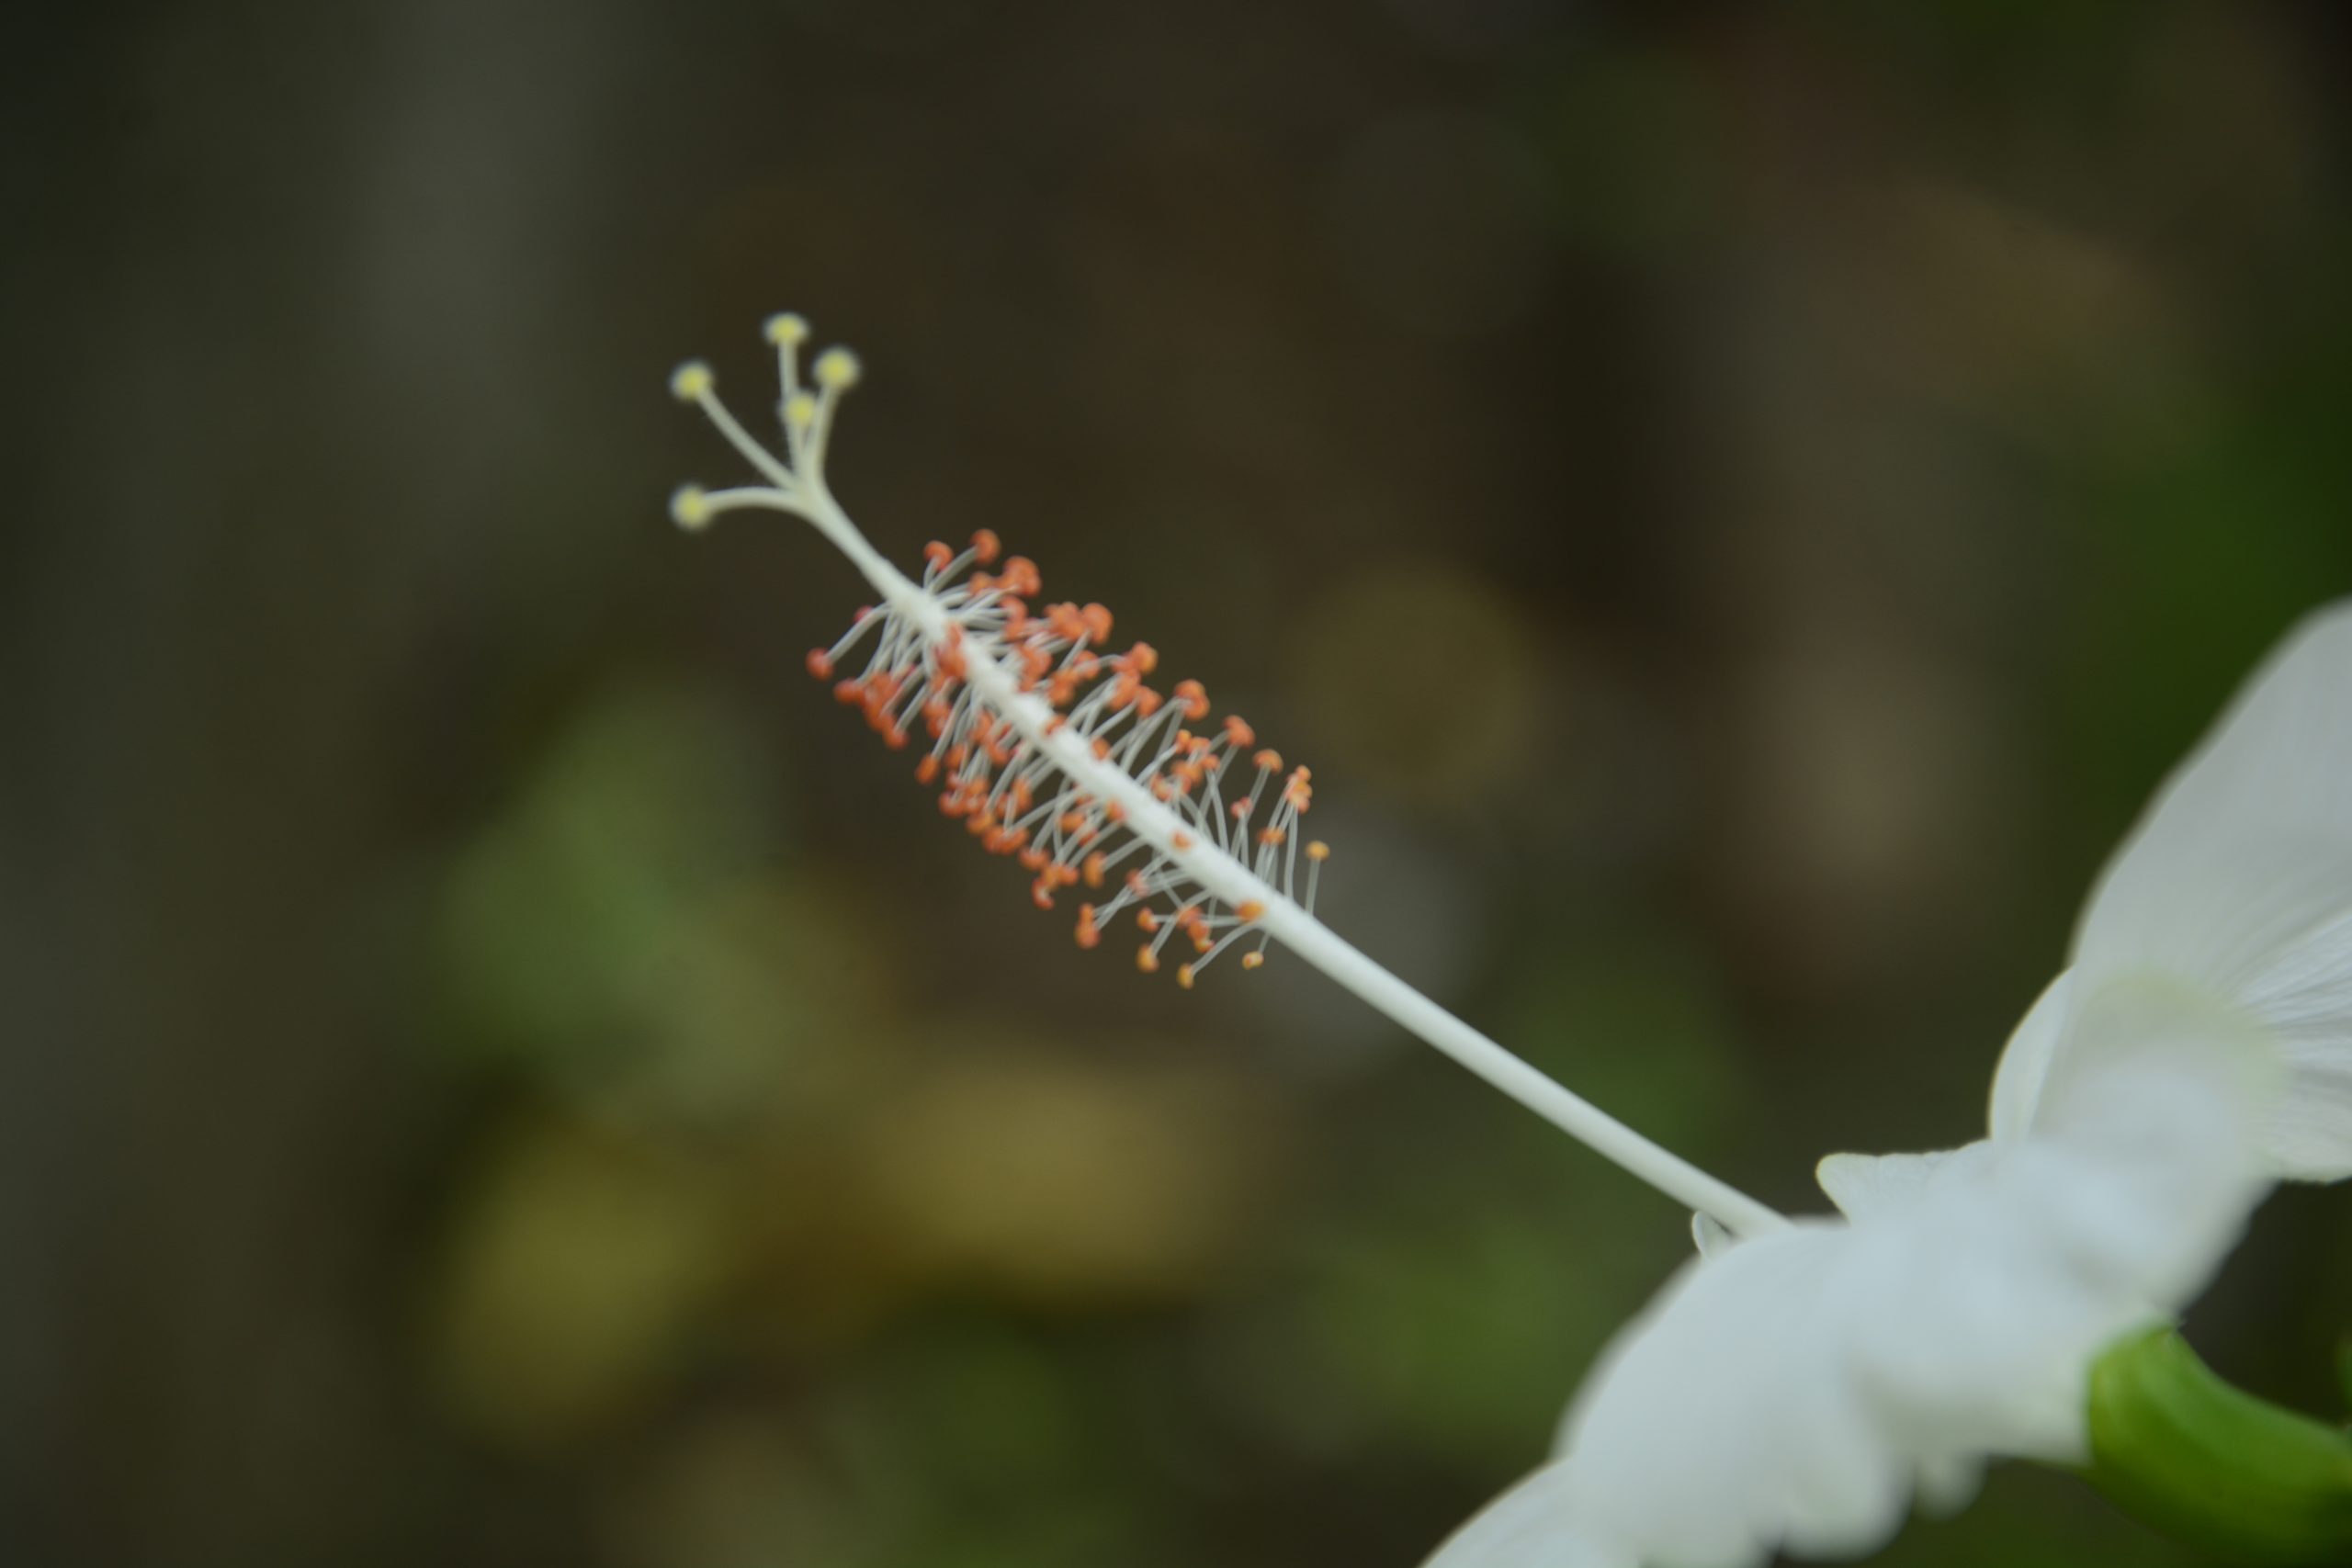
<point x="1708" y="1234"/>
<point x="1881" y="1187"/>
<point x="2025" y="1060"/>
<point x="2305" y="995"/>
<point x="2239" y="879"/>
<point x="1531" y="1526"/>
<point x="1795" y="1390"/>
<point x="1948" y="1483"/>
<point x="2145" y="1141"/>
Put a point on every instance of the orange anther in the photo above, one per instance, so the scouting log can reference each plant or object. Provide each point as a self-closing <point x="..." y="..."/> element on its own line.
<point x="1143" y="659"/>
<point x="1097" y="623"/>
<point x="1101" y="750"/>
<point x="1271" y="835"/>
<point x="1134" y="883"/>
<point x="1184" y="975"/>
<point x="1095" y="870"/>
<point x="1112" y="810"/>
<point x="950" y="659"/>
<point x="1087" y="932"/>
<point x="1146" y="921"/>
<point x="1041" y="894"/>
<point x="1034" y="858"/>
<point x="1200" y="943"/>
<point x="1241" y="808"/>
<point x="928" y="769"/>
<point x="1181" y="841"/>
<point x="986" y="546"/>
<point x="1239" y="733"/>
<point x="936" y="555"/>
<point x="894" y="739"/>
<point x="1071" y="821"/>
<point x="1251" y="960"/>
<point x="1146" y="702"/>
<point x="1147" y="960"/>
<point x="1191" y="700"/>
<point x="1248" y="909"/>
<point x="820" y="664"/>
<point x="849" y="690"/>
<point x="1318" y="849"/>
<point x="1020" y="576"/>
<point x="1270" y="760"/>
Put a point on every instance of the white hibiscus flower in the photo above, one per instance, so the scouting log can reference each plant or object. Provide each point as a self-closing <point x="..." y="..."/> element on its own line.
<point x="1794" y="1390"/>
<point x="1797" y="1387"/>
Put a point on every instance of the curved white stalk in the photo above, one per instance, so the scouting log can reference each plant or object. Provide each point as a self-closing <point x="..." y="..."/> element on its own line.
<point x="799" y="489"/>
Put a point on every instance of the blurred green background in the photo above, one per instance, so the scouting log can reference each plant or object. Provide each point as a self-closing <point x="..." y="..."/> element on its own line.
<point x="1738" y="505"/>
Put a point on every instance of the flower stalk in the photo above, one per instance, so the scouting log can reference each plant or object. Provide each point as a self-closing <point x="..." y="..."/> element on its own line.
<point x="2212" y="1465"/>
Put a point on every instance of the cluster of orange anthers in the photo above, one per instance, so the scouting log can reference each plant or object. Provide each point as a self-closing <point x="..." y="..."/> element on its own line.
<point x="1015" y="798"/>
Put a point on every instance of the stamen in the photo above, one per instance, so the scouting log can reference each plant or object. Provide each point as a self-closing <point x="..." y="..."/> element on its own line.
<point x="1017" y="796"/>
<point x="1056" y="751"/>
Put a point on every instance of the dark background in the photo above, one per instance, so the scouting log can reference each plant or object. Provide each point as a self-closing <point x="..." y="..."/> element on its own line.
<point x="1739" y="506"/>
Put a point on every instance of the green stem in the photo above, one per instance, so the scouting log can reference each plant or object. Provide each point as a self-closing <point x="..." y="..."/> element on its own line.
<point x="2177" y="1447"/>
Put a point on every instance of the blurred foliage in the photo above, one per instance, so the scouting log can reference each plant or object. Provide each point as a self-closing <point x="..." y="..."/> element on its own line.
<point x="569" y="1280"/>
<point x="1437" y="714"/>
<point x="1738" y="505"/>
<point x="610" y="928"/>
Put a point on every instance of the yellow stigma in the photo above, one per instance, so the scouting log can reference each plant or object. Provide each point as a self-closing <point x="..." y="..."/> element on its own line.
<point x="1251" y="960"/>
<point x="1318" y="849"/>
<point x="836" y="370"/>
<point x="690" y="507"/>
<point x="692" y="381"/>
<point x="800" y="410"/>
<point x="786" y="329"/>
